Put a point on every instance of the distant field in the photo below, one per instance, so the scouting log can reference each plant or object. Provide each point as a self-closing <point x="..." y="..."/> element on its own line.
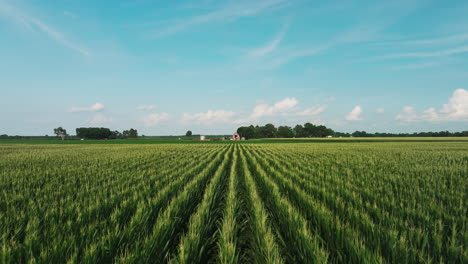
<point x="372" y="200"/>
<point x="266" y="140"/>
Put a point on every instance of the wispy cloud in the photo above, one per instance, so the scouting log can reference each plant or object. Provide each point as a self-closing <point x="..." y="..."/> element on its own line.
<point x="70" y="14"/>
<point x="209" y="117"/>
<point x="271" y="46"/>
<point x="154" y="119"/>
<point x="99" y="119"/>
<point x="414" y="66"/>
<point x="378" y="19"/>
<point x="94" y="108"/>
<point x="10" y="13"/>
<point x="440" y="53"/>
<point x="279" y="59"/>
<point x="146" y="107"/>
<point x="295" y="54"/>
<point x="31" y="23"/>
<point x="231" y="12"/>
<point x="446" y="40"/>
<point x="312" y="111"/>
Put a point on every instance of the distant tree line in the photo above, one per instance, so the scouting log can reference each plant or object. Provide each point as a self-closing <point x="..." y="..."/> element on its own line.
<point x="249" y="132"/>
<point x="270" y="131"/>
<point x="83" y="132"/>
<point x="104" y="133"/>
<point x="45" y="137"/>
<point x="416" y="134"/>
<point x="319" y="131"/>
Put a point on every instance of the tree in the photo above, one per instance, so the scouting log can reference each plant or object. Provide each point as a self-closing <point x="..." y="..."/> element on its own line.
<point x="188" y="134"/>
<point x="60" y="132"/>
<point x="242" y="131"/>
<point x="310" y="130"/>
<point x="330" y="132"/>
<point x="115" y="135"/>
<point x="93" y="132"/>
<point x="268" y="131"/>
<point x="257" y="132"/>
<point x="250" y="132"/>
<point x="132" y="133"/>
<point x="323" y="131"/>
<point x="285" y="132"/>
<point x="360" y="134"/>
<point x="299" y="131"/>
<point x="247" y="132"/>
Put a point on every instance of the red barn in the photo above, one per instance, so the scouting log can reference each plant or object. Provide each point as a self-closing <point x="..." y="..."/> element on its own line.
<point x="236" y="136"/>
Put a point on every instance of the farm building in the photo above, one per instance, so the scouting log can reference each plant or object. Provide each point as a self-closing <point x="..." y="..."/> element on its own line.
<point x="236" y="136"/>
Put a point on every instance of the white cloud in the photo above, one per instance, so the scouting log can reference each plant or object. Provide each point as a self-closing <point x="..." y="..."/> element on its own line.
<point x="380" y="110"/>
<point x="408" y="115"/>
<point x="283" y="108"/>
<point x="154" y="119"/>
<point x="312" y="111"/>
<point x="32" y="23"/>
<point x="355" y="114"/>
<point x="457" y="107"/>
<point x="262" y="110"/>
<point x="209" y="117"/>
<point x="285" y="104"/>
<point x="94" y="108"/>
<point x="455" y="110"/>
<point x="146" y="107"/>
<point x="99" y="119"/>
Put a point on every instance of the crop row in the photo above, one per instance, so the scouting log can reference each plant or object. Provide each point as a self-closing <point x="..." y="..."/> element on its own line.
<point x="234" y="203"/>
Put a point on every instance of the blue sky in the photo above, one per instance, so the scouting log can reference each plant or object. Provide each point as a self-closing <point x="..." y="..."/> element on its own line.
<point x="164" y="67"/>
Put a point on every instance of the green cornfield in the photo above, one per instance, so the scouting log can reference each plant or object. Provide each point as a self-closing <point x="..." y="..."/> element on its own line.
<point x="342" y="202"/>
